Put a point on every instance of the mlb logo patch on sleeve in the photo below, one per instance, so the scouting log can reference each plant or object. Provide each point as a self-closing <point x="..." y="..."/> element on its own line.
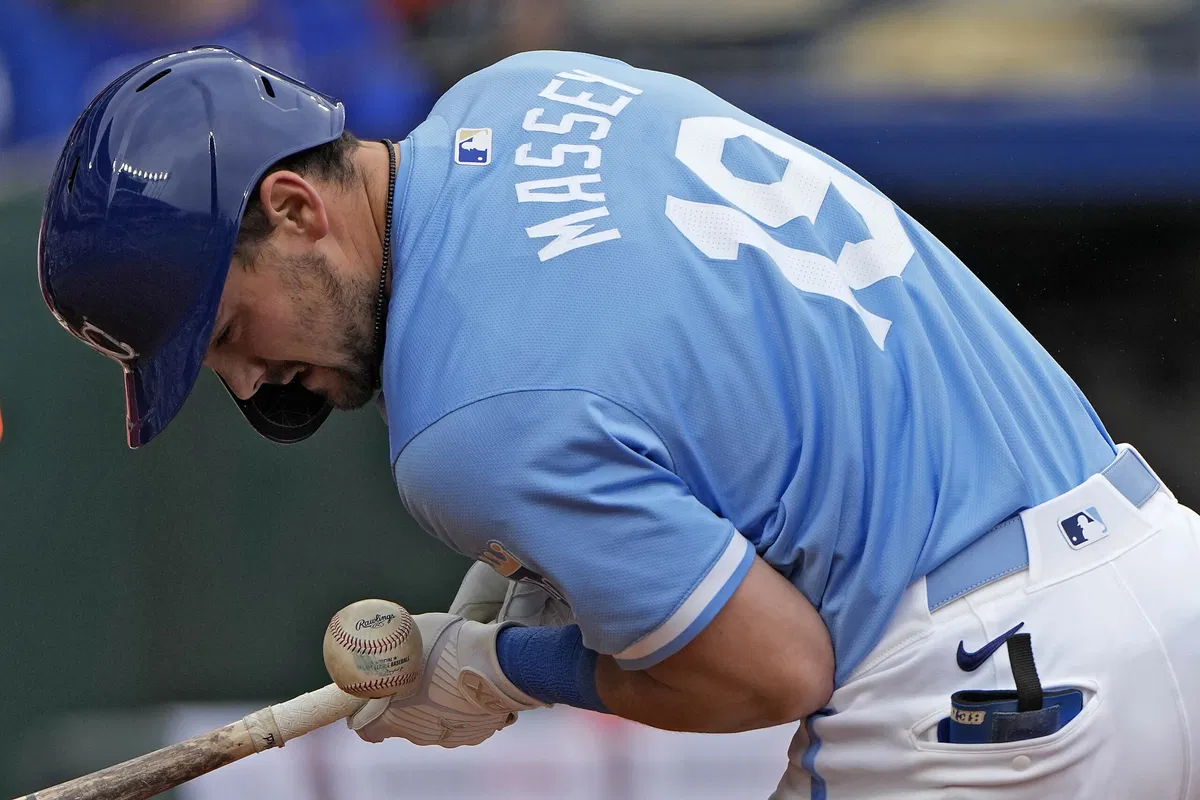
<point x="1083" y="527"/>
<point x="473" y="146"/>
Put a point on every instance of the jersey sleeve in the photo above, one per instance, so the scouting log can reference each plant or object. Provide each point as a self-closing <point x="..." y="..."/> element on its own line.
<point x="576" y="493"/>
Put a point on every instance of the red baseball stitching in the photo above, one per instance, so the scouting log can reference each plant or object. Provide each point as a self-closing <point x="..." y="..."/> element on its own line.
<point x="380" y="683"/>
<point x="357" y="644"/>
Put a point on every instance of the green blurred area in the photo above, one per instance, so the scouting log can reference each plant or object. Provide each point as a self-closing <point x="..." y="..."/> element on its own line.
<point x="204" y="566"/>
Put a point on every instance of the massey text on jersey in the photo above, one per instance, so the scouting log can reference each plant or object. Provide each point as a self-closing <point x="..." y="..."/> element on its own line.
<point x="572" y="231"/>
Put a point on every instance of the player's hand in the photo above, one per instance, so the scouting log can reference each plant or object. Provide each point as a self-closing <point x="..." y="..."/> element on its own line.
<point x="464" y="696"/>
<point x="487" y="596"/>
<point x="481" y="594"/>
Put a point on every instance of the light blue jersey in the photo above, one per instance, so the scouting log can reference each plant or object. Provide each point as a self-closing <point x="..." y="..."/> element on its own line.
<point x="637" y="336"/>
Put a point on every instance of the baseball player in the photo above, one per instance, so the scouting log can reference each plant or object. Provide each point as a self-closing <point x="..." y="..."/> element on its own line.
<point x="735" y="440"/>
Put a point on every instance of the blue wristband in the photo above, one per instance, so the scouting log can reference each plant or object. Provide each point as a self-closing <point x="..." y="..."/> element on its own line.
<point x="551" y="664"/>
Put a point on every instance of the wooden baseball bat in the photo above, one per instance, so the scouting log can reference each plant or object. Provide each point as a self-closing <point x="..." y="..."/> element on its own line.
<point x="154" y="773"/>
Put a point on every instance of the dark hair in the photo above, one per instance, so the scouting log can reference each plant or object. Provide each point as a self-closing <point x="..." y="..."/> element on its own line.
<point x="332" y="162"/>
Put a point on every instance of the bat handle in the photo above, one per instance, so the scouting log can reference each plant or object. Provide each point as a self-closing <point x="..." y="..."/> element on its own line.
<point x="153" y="773"/>
<point x="277" y="725"/>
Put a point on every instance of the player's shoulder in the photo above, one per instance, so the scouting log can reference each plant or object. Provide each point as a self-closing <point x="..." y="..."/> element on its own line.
<point x="517" y="430"/>
<point x="536" y="71"/>
<point x="538" y="62"/>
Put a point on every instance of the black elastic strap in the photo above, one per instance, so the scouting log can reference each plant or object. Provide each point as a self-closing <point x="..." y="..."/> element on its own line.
<point x="1029" y="686"/>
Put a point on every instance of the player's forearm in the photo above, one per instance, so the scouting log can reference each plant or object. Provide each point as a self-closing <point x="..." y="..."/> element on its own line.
<point x="553" y="666"/>
<point x="638" y="696"/>
<point x="765" y="659"/>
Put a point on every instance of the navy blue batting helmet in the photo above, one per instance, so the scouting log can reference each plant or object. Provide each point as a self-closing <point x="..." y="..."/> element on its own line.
<point x="143" y="213"/>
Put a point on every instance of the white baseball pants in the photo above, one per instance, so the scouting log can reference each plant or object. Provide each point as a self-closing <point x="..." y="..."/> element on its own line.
<point x="1118" y="619"/>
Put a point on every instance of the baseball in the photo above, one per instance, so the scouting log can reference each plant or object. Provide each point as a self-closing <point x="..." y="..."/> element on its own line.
<point x="373" y="649"/>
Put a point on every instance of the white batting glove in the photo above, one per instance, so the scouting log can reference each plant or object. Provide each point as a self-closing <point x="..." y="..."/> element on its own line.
<point x="481" y="594"/>
<point x="464" y="696"/>
<point x="487" y="596"/>
<point x="532" y="606"/>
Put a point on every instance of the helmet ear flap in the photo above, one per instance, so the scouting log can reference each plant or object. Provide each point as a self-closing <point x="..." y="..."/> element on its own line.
<point x="284" y="413"/>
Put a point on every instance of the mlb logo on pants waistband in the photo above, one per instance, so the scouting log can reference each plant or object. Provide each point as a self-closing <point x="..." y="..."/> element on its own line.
<point x="1083" y="527"/>
<point x="473" y="146"/>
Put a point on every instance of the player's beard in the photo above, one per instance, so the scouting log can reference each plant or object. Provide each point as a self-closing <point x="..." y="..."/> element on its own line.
<point x="338" y="313"/>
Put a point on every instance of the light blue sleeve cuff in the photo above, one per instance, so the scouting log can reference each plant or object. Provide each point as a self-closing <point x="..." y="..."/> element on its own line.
<point x="694" y="614"/>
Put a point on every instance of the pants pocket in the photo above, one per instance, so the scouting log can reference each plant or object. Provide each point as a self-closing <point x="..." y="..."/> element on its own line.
<point x="1048" y="765"/>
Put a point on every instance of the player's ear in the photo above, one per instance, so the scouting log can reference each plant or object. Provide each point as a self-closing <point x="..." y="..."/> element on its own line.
<point x="293" y="205"/>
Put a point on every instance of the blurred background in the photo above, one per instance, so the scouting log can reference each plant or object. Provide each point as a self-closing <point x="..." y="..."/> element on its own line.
<point x="148" y="596"/>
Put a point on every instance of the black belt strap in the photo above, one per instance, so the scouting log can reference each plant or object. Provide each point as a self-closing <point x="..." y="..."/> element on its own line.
<point x="1029" y="686"/>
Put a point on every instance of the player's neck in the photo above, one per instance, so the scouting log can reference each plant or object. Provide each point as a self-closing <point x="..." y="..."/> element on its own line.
<point x="371" y="161"/>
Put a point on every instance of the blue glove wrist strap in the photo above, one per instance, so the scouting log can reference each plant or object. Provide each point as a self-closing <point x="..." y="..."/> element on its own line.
<point x="551" y="664"/>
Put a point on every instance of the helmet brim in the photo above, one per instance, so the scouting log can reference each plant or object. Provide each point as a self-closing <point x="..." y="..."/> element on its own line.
<point x="157" y="385"/>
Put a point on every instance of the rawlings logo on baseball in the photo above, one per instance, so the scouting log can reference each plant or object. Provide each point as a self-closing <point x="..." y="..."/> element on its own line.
<point x="377" y="621"/>
<point x="373" y="649"/>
